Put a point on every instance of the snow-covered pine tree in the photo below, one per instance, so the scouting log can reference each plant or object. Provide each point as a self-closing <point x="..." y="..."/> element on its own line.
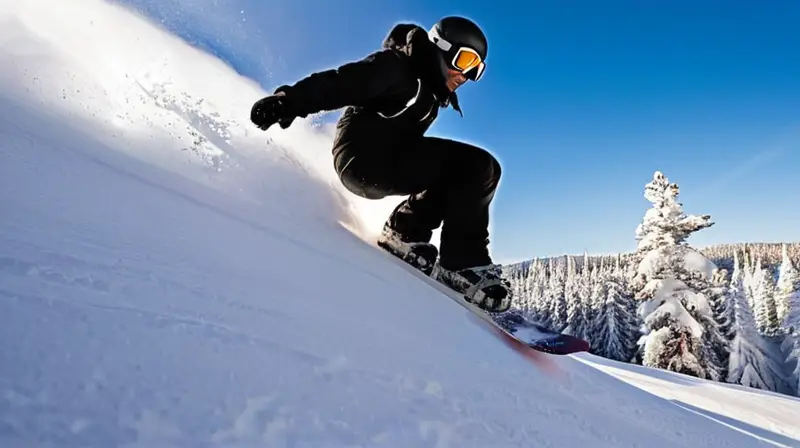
<point x="597" y="267"/>
<point x="680" y="331"/>
<point x="554" y="295"/>
<point x="665" y="224"/>
<point x="575" y="319"/>
<point x="748" y="278"/>
<point x="516" y="281"/>
<point x="616" y="326"/>
<point x="716" y="323"/>
<point x="525" y="279"/>
<point x="599" y="293"/>
<point x="763" y="289"/>
<point x="528" y="301"/>
<point x="752" y="361"/>
<point x="536" y="280"/>
<point x="787" y="295"/>
<point x="722" y="308"/>
<point x="584" y="284"/>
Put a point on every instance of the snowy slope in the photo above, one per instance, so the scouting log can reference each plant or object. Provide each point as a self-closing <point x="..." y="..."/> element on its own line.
<point x="767" y="416"/>
<point x="170" y="277"/>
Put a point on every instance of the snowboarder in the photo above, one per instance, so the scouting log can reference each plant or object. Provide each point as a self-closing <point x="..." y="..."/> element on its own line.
<point x="392" y="96"/>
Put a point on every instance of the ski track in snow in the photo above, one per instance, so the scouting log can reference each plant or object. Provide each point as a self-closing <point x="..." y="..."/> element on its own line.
<point x="153" y="296"/>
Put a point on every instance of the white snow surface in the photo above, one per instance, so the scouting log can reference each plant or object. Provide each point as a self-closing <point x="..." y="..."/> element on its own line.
<point x="725" y="404"/>
<point x="155" y="296"/>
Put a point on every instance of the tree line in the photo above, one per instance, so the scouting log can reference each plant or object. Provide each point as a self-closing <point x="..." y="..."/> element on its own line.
<point x="728" y="313"/>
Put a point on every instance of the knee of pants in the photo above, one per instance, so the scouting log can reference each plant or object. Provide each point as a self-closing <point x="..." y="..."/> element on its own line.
<point x="362" y="188"/>
<point x="484" y="168"/>
<point x="497" y="171"/>
<point x="355" y="182"/>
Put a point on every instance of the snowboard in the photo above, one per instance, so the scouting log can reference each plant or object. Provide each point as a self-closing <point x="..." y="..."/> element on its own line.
<point x="537" y="336"/>
<point x="512" y="328"/>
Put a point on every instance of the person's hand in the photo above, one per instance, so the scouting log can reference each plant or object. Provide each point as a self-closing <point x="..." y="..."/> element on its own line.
<point x="270" y="110"/>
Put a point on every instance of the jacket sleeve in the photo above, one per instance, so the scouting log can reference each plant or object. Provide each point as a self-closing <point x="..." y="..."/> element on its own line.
<point x="350" y="84"/>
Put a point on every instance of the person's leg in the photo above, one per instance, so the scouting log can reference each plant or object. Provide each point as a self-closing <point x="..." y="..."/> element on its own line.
<point x="375" y="173"/>
<point x="449" y="183"/>
<point x="460" y="183"/>
<point x="364" y="173"/>
<point x="455" y="183"/>
<point x="420" y="213"/>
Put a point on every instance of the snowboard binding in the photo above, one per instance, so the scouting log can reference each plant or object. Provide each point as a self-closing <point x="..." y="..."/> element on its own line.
<point x="484" y="286"/>
<point x="420" y="255"/>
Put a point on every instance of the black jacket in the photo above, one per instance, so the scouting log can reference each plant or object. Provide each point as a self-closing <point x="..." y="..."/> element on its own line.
<point x="376" y="91"/>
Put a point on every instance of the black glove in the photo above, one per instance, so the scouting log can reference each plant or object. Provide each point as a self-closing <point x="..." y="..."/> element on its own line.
<point x="270" y="110"/>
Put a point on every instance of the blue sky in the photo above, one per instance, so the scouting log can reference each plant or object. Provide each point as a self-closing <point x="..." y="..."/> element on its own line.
<point x="582" y="101"/>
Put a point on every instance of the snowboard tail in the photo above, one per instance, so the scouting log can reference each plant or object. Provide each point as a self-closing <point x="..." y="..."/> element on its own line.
<point x="539" y="337"/>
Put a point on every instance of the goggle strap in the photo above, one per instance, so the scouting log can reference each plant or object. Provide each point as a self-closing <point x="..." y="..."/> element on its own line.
<point x="440" y="42"/>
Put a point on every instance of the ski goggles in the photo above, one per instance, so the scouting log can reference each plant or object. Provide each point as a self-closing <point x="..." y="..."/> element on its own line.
<point x="464" y="59"/>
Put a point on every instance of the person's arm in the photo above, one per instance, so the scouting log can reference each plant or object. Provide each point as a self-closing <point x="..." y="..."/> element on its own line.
<point x="350" y="84"/>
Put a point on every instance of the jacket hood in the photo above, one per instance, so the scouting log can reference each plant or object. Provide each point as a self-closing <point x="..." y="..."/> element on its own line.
<point x="399" y="36"/>
<point x="426" y="58"/>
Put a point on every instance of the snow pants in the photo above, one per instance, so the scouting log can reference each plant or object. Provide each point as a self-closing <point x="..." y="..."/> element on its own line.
<point x="448" y="183"/>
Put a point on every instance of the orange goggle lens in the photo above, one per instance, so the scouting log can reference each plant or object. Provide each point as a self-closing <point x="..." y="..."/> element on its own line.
<point x="466" y="60"/>
<point x="469" y="62"/>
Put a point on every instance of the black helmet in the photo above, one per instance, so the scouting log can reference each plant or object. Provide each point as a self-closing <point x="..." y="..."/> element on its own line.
<point x="458" y="37"/>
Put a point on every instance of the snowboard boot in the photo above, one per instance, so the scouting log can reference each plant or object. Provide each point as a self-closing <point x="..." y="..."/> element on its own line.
<point x="421" y="255"/>
<point x="483" y="286"/>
